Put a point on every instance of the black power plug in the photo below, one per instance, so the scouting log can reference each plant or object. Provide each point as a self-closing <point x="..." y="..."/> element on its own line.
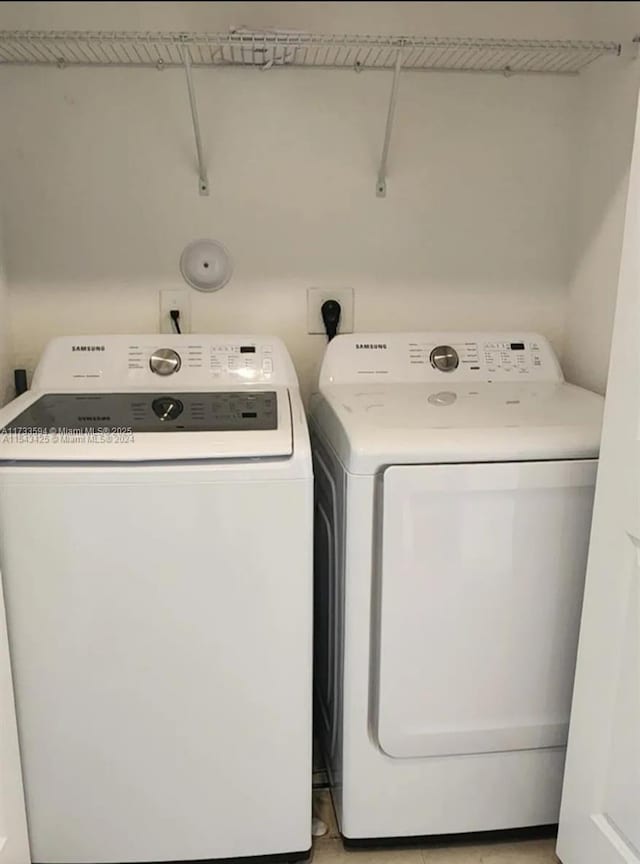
<point x="174" y="314"/>
<point x="331" y="310"/>
<point x="20" y="381"/>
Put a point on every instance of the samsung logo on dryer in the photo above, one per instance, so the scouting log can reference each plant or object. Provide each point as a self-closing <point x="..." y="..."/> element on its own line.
<point x="372" y="346"/>
<point x="87" y="347"/>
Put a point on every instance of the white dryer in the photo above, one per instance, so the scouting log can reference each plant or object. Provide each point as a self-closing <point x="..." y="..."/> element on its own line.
<point x="156" y="509"/>
<point x="454" y="484"/>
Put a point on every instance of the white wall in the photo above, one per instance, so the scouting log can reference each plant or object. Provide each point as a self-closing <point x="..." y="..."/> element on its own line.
<point x="14" y="845"/>
<point x="6" y="376"/>
<point x="13" y="829"/>
<point x="544" y="20"/>
<point x="476" y="231"/>
<point x="101" y="196"/>
<point x="604" y="136"/>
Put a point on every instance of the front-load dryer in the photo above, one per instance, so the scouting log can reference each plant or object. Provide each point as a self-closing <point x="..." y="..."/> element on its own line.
<point x="156" y="508"/>
<point x="454" y="484"/>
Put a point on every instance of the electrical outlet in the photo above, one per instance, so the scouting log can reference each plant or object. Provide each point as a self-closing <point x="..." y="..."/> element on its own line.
<point x="317" y="296"/>
<point x="175" y="298"/>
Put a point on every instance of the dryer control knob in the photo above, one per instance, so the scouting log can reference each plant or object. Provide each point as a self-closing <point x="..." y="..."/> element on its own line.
<point x="445" y="358"/>
<point x="165" y="361"/>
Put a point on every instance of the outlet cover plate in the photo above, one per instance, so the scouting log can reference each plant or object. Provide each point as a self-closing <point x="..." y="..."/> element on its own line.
<point x="317" y="296"/>
<point x="175" y="298"/>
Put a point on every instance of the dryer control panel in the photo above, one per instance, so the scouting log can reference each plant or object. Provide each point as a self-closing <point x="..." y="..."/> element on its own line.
<point x="440" y="357"/>
<point x="164" y="362"/>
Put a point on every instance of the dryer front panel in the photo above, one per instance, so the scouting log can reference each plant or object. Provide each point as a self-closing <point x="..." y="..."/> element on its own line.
<point x="480" y="581"/>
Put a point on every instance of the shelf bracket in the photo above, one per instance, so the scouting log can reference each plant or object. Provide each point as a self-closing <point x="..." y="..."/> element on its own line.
<point x="203" y="181"/>
<point x="381" y="183"/>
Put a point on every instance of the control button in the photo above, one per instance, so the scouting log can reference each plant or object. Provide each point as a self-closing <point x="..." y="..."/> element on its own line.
<point x="445" y="397"/>
<point x="445" y="358"/>
<point x="165" y="361"/>
<point x="267" y="365"/>
<point x="167" y="408"/>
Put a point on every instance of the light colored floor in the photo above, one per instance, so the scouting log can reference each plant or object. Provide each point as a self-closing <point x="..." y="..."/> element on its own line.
<point x="329" y="849"/>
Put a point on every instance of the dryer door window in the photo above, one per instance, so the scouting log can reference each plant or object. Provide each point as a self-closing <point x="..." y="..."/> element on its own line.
<point x="481" y="575"/>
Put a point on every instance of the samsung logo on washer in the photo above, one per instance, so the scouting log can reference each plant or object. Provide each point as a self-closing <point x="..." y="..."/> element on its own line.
<point x="372" y="345"/>
<point x="87" y="348"/>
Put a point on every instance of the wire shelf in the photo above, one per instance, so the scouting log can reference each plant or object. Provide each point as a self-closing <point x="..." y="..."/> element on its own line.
<point x="280" y="49"/>
<point x="272" y="49"/>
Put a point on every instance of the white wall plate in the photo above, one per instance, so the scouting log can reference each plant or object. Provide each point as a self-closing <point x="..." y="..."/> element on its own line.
<point x="175" y="298"/>
<point x="317" y="296"/>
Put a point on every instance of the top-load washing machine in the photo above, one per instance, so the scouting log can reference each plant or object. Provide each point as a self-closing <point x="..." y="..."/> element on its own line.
<point x="454" y="484"/>
<point x="156" y="508"/>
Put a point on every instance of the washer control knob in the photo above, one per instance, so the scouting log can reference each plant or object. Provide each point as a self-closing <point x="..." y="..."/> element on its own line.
<point x="165" y="361"/>
<point x="167" y="407"/>
<point x="445" y="358"/>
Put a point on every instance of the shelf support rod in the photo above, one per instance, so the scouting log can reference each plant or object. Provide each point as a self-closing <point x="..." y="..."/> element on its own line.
<point x="381" y="183"/>
<point x="203" y="181"/>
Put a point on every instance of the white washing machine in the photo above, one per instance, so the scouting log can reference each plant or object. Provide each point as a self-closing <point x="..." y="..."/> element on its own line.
<point x="454" y="484"/>
<point x="156" y="510"/>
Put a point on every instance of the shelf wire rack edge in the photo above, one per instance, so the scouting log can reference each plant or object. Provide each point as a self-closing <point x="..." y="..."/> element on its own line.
<point x="281" y="49"/>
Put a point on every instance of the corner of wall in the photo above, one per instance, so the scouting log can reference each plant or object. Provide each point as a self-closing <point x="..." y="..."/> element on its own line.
<point x="604" y="131"/>
<point x="604" y="144"/>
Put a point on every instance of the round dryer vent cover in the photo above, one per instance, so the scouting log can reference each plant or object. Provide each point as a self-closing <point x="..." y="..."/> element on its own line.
<point x="206" y="265"/>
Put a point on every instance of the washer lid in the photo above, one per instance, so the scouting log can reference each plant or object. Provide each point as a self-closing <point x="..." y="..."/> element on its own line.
<point x="383" y="424"/>
<point x="147" y="426"/>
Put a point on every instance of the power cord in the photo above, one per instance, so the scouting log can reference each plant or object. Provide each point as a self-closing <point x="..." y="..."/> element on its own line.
<point x="175" y="317"/>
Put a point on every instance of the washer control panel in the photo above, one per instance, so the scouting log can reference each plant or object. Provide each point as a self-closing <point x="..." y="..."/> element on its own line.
<point x="217" y="411"/>
<point x="223" y="360"/>
<point x="168" y="362"/>
<point x="440" y="356"/>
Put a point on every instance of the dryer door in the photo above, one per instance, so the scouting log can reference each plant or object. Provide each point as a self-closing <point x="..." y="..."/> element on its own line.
<point x="480" y="592"/>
